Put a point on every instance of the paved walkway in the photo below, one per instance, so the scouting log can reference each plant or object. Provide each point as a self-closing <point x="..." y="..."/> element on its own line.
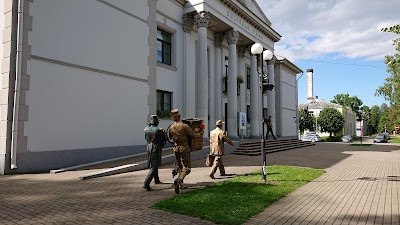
<point x="361" y="186"/>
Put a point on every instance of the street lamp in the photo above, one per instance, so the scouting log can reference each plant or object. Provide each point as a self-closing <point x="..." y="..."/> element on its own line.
<point x="257" y="49"/>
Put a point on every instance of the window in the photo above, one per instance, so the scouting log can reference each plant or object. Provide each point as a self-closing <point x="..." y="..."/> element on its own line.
<point x="248" y="113"/>
<point x="248" y="78"/>
<point x="225" y="84"/>
<point x="164" y="103"/>
<point x="164" y="40"/>
<point x="265" y="112"/>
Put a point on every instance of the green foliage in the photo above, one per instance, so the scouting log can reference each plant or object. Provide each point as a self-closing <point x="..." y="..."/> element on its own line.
<point x="240" y="79"/>
<point x="332" y="139"/>
<point x="366" y="113"/>
<point x="394" y="29"/>
<point x="330" y="120"/>
<point x="394" y="140"/>
<point x="389" y="119"/>
<point x="383" y="107"/>
<point x="236" y="200"/>
<point x="349" y="101"/>
<point x="375" y="118"/>
<point x="306" y="120"/>
<point x="390" y="90"/>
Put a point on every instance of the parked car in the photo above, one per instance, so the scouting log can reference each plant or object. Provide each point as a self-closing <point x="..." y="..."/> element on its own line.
<point x="346" y="138"/>
<point x="380" y="138"/>
<point x="311" y="137"/>
<point x="387" y="135"/>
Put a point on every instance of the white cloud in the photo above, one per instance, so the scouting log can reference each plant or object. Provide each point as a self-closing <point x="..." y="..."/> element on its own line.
<point x="347" y="28"/>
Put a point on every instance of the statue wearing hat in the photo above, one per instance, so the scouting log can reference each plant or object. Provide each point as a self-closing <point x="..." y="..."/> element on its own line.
<point x="156" y="139"/>
<point x="181" y="133"/>
<point x="217" y="140"/>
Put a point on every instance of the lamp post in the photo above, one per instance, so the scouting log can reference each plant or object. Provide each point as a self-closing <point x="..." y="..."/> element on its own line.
<point x="360" y="118"/>
<point x="258" y="49"/>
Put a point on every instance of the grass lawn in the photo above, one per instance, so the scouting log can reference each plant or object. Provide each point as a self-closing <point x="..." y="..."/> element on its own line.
<point x="394" y="139"/>
<point x="236" y="200"/>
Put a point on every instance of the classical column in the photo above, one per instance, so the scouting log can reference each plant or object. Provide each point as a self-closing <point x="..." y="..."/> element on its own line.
<point x="254" y="99"/>
<point x="212" y="90"/>
<point x="219" y="61"/>
<point x="202" y="19"/>
<point x="271" y="94"/>
<point x="242" y="73"/>
<point x="232" y="123"/>
<point x="189" y="78"/>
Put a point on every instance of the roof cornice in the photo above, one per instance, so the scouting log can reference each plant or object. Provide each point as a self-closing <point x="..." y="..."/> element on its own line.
<point x="182" y="2"/>
<point x="262" y="26"/>
<point x="289" y="65"/>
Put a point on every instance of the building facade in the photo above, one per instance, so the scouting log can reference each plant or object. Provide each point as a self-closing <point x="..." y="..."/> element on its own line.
<point x="315" y="106"/>
<point x="80" y="79"/>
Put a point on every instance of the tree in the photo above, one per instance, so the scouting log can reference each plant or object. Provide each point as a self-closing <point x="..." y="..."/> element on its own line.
<point x="330" y="120"/>
<point x="389" y="119"/>
<point x="348" y="101"/>
<point x="390" y="89"/>
<point x="383" y="107"/>
<point x="375" y="118"/>
<point x="394" y="29"/>
<point x="306" y="120"/>
<point x="366" y="117"/>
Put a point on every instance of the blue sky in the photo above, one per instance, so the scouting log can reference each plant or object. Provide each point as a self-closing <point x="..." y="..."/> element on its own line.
<point x="339" y="39"/>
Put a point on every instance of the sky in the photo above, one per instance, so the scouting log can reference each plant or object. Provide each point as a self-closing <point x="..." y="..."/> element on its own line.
<point x="340" y="40"/>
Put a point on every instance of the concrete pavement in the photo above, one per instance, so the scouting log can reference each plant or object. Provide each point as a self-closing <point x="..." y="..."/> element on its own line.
<point x="361" y="186"/>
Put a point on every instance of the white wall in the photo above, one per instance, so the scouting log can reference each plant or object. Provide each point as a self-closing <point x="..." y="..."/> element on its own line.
<point x="1" y="39"/>
<point x="171" y="78"/>
<point x="71" y="107"/>
<point x="92" y="34"/>
<point x="289" y="106"/>
<point x="289" y="127"/>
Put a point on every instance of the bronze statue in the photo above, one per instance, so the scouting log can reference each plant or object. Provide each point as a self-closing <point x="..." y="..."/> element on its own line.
<point x="217" y="140"/>
<point x="180" y="133"/>
<point x="156" y="139"/>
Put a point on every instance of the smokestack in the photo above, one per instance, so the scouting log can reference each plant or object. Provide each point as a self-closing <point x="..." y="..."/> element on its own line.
<point x="310" y="88"/>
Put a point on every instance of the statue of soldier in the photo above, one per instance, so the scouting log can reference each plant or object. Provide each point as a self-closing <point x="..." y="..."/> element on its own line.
<point x="156" y="139"/>
<point x="181" y="133"/>
<point x="218" y="137"/>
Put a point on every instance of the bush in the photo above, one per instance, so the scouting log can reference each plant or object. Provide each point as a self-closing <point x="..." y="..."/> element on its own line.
<point x="332" y="139"/>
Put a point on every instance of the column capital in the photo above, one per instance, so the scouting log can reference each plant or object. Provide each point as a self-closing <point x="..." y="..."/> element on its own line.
<point x="241" y="51"/>
<point x="232" y="36"/>
<point x="202" y="19"/>
<point x="188" y="22"/>
<point x="218" y="38"/>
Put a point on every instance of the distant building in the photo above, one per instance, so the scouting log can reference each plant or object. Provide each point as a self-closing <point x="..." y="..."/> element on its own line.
<point x="315" y="106"/>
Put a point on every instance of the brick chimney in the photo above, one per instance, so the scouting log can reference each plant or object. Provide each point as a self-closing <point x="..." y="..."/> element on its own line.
<point x="310" y="88"/>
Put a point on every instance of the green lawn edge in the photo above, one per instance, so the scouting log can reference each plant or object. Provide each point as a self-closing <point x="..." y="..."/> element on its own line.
<point x="234" y="201"/>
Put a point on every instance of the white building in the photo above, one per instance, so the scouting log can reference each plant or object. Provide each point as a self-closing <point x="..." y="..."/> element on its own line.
<point x="81" y="78"/>
<point x="315" y="106"/>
